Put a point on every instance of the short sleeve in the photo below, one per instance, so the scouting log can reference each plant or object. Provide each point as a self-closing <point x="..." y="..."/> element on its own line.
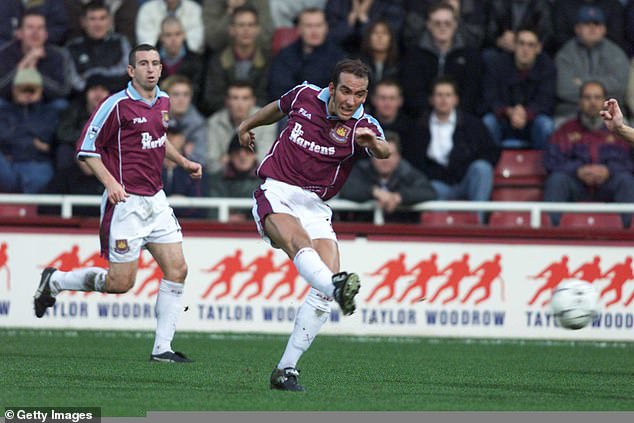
<point x="99" y="130"/>
<point x="286" y="101"/>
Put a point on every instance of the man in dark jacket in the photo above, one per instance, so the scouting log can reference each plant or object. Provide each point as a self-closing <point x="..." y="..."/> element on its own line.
<point x="441" y="52"/>
<point x="27" y="132"/>
<point x="99" y="51"/>
<point x="311" y="58"/>
<point x="72" y="176"/>
<point x="505" y="17"/>
<point x="391" y="182"/>
<point x="455" y="150"/>
<point x="31" y="50"/>
<point x="519" y="92"/>
<point x="585" y="161"/>
<point x="12" y="11"/>
<point x="243" y="60"/>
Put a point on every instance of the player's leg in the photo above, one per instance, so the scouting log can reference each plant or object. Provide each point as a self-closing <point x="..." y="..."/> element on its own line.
<point x="171" y="260"/>
<point x="311" y="316"/>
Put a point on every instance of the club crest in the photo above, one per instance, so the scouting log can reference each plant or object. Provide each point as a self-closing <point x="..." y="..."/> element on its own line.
<point x="166" y="118"/>
<point x="340" y="133"/>
<point x="121" y="246"/>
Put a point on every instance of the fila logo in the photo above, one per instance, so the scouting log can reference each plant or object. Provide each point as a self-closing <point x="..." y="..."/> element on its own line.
<point x="139" y="120"/>
<point x="304" y="113"/>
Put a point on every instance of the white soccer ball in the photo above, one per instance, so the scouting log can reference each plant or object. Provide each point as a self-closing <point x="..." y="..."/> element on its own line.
<point x="574" y="304"/>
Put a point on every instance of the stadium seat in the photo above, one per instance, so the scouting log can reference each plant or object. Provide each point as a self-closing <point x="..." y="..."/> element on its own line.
<point x="445" y="218"/>
<point x="512" y="219"/>
<point x="282" y="37"/>
<point x="591" y="220"/>
<point x="517" y="193"/>
<point x="18" y="210"/>
<point x="520" y="168"/>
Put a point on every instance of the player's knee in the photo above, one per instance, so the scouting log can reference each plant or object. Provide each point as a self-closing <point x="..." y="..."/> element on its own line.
<point x="119" y="284"/>
<point x="177" y="273"/>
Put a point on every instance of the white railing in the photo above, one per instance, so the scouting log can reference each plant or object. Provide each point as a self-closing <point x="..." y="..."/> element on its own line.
<point x="225" y="205"/>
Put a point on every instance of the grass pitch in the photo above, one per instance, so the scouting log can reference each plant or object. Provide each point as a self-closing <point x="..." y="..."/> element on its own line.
<point x="111" y="370"/>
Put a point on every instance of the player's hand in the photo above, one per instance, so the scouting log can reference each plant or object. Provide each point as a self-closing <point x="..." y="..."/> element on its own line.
<point x="365" y="137"/>
<point x="194" y="169"/>
<point x="116" y="193"/>
<point x="247" y="138"/>
<point x="612" y="115"/>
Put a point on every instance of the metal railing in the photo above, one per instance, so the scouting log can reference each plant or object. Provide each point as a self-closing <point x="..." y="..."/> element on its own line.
<point x="225" y="205"/>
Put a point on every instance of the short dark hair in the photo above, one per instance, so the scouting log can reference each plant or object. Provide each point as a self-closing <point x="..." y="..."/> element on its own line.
<point x="394" y="138"/>
<point x="444" y="80"/>
<point x="240" y="83"/>
<point x="306" y="11"/>
<point x="442" y="5"/>
<point x="592" y="82"/>
<point x="388" y="82"/>
<point x="140" y="47"/>
<point x="245" y="8"/>
<point x="353" y="66"/>
<point x="94" y="5"/>
<point x="31" y="12"/>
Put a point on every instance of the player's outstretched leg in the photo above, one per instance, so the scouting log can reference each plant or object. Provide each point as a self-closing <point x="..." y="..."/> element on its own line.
<point x="54" y="281"/>
<point x="346" y="288"/>
<point x="43" y="297"/>
<point x="286" y="380"/>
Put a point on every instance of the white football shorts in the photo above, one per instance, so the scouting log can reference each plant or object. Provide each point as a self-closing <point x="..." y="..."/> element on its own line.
<point x="279" y="197"/>
<point x="127" y="227"/>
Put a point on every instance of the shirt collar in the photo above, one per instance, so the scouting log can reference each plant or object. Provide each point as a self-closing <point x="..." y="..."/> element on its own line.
<point x="452" y="119"/>
<point x="134" y="94"/>
<point x="324" y="95"/>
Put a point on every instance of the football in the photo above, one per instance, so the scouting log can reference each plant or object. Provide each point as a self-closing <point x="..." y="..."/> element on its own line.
<point x="574" y="304"/>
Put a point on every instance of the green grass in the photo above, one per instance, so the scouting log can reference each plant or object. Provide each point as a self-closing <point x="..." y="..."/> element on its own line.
<point x="110" y="370"/>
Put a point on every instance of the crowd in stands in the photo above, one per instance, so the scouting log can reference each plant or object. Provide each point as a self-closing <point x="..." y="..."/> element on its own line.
<point x="455" y="84"/>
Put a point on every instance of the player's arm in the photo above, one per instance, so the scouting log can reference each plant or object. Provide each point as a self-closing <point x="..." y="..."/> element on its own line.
<point x="267" y="115"/>
<point x="365" y="137"/>
<point x="195" y="169"/>
<point x="613" y="119"/>
<point x="116" y="192"/>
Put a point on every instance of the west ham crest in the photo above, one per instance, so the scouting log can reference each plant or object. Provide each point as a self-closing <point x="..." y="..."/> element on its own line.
<point x="340" y="133"/>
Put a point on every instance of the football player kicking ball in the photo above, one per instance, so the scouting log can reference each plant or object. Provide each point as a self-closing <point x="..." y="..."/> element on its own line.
<point x="311" y="159"/>
<point x="124" y="144"/>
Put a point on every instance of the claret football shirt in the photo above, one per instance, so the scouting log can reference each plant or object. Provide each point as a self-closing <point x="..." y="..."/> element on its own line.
<point x="316" y="150"/>
<point x="128" y="133"/>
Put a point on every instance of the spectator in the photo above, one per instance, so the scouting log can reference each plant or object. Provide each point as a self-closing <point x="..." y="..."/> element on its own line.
<point x="311" y="58"/>
<point x="221" y="126"/>
<point x="441" y="52"/>
<point x="590" y="56"/>
<point x="152" y="13"/>
<point x="237" y="179"/>
<point x="387" y="101"/>
<point x="73" y="176"/>
<point x="99" y="51"/>
<point x="391" y="182"/>
<point x="30" y="50"/>
<point x="27" y="132"/>
<point x="218" y="17"/>
<point x="454" y="150"/>
<point x="284" y="13"/>
<point x="176" y="57"/>
<point x="186" y="117"/>
<point x="585" y="161"/>
<point x="506" y="17"/>
<point x="348" y="19"/>
<point x="379" y="51"/>
<point x="519" y="92"/>
<point x="123" y="13"/>
<point x="565" y="18"/>
<point x="471" y="20"/>
<point x="243" y="60"/>
<point x="12" y="12"/>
